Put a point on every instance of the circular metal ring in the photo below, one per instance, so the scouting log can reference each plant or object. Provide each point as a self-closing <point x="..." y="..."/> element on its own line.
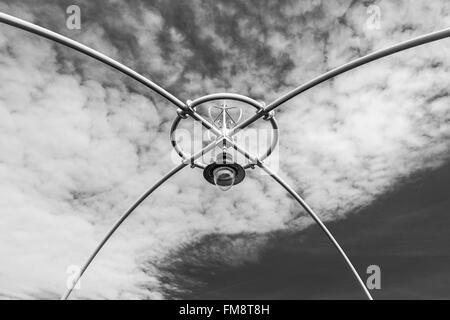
<point x="177" y="148"/>
<point x="224" y="96"/>
<point x="273" y="145"/>
<point x="227" y="96"/>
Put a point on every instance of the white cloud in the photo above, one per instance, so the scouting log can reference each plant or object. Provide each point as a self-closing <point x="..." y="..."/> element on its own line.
<point x="77" y="147"/>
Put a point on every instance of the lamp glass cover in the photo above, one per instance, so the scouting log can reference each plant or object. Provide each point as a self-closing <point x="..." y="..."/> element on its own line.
<point x="224" y="178"/>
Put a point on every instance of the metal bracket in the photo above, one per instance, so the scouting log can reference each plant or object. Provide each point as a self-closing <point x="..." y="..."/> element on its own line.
<point x="266" y="115"/>
<point x="182" y="113"/>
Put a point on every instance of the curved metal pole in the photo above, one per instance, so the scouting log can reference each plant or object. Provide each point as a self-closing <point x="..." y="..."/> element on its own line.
<point x="130" y="211"/>
<point x="438" y="35"/>
<point x="227" y="96"/>
<point x="27" y="26"/>
<point x="320" y="223"/>
<point x="118" y="223"/>
<point x="308" y="210"/>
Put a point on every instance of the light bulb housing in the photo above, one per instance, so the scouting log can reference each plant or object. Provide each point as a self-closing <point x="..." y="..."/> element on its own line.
<point x="223" y="166"/>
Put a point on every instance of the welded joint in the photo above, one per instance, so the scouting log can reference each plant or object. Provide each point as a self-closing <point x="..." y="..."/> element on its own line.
<point x="266" y="115"/>
<point x="269" y="115"/>
<point x="258" y="163"/>
<point x="184" y="113"/>
<point x="253" y="163"/>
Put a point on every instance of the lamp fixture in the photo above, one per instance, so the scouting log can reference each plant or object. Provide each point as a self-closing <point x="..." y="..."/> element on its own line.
<point x="224" y="172"/>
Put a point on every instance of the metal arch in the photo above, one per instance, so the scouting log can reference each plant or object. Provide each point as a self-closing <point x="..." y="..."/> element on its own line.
<point x="310" y="211"/>
<point x="130" y="210"/>
<point x="415" y="42"/>
<point x="316" y="218"/>
<point x="227" y="96"/>
<point x="48" y="34"/>
<point x="190" y="110"/>
<point x="51" y="35"/>
<point x="118" y="223"/>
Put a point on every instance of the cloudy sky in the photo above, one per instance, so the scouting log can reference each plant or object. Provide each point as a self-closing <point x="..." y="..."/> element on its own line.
<point x="368" y="150"/>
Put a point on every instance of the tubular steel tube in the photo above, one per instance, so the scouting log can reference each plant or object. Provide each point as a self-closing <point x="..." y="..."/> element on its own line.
<point x="27" y="26"/>
<point x="118" y="223"/>
<point x="316" y="218"/>
<point x="51" y="35"/>
<point x="130" y="210"/>
<point x="438" y="35"/>
<point x="30" y="27"/>
<point x="227" y="96"/>
<point x="310" y="211"/>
